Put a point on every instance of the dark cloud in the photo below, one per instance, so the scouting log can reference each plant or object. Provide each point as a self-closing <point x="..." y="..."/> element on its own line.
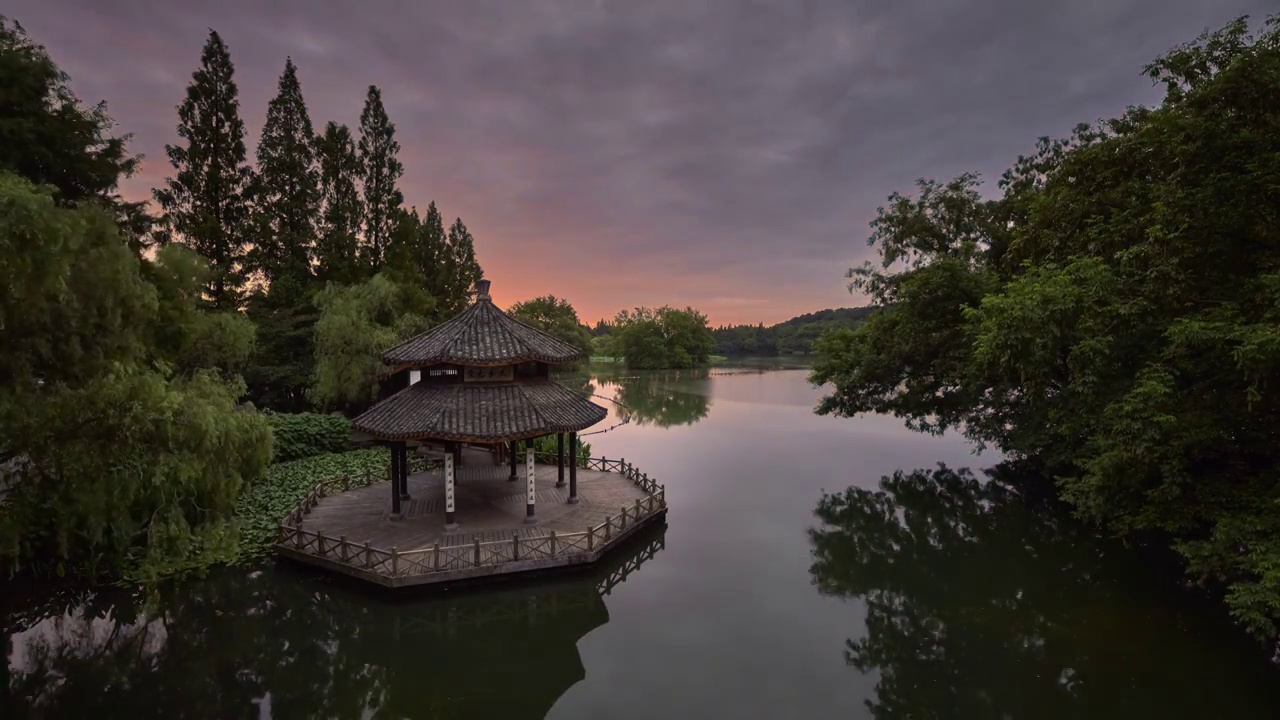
<point x="723" y="154"/>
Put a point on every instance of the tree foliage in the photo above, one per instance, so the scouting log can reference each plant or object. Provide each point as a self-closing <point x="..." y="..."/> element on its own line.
<point x="46" y="134"/>
<point x="790" y="337"/>
<point x="206" y="202"/>
<point x="554" y="316"/>
<point x="287" y="193"/>
<point x="381" y="171"/>
<point x="301" y="435"/>
<point x="1113" y="313"/>
<point x="356" y="325"/>
<point x="120" y="466"/>
<point x="662" y="337"/>
<point x="342" y="213"/>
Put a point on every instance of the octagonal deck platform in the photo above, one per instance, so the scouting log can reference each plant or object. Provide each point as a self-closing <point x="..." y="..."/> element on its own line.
<point x="345" y="524"/>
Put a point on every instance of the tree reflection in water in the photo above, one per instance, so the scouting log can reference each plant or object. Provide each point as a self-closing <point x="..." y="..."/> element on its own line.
<point x="664" y="398"/>
<point x="283" y="644"/>
<point x="983" y="601"/>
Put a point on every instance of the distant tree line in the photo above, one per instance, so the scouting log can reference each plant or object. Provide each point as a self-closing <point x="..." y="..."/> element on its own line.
<point x="790" y="337"/>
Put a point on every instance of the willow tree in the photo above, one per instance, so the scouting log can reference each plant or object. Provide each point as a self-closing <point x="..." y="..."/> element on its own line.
<point x="113" y="466"/>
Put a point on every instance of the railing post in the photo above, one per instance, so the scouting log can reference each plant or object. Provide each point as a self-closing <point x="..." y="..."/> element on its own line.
<point x="435" y="557"/>
<point x="608" y="527"/>
<point x="342" y="547"/>
<point x="395" y="561"/>
<point x="624" y="519"/>
<point x="368" y="555"/>
<point x="591" y="539"/>
<point x="477" y="547"/>
<point x="637" y="509"/>
<point x="553" y="543"/>
<point x="297" y="538"/>
<point x="515" y="547"/>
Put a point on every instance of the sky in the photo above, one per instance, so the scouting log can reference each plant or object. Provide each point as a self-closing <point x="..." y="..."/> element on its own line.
<point x="723" y="154"/>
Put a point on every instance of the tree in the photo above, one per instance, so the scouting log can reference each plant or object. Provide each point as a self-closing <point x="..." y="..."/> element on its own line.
<point x="287" y="193"/>
<point x="431" y="253"/>
<point x="120" y="467"/>
<point x="356" y="325"/>
<point x="184" y="334"/>
<point x="1111" y="315"/>
<point x="381" y="173"/>
<point x="46" y="135"/>
<point x="554" y="316"/>
<point x="342" y="213"/>
<point x="206" y="203"/>
<point x="461" y="269"/>
<point x="662" y="338"/>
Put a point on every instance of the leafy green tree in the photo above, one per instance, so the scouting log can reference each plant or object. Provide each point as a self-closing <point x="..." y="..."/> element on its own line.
<point x="342" y="213"/>
<point x="287" y="193"/>
<point x="206" y="202"/>
<point x="283" y="361"/>
<point x="356" y="325"/>
<point x="555" y="316"/>
<point x="1112" y="314"/>
<point x="662" y="338"/>
<point x="119" y="467"/>
<point x="430" y="252"/>
<point x="381" y="171"/>
<point x="186" y="335"/>
<point x="46" y="135"/>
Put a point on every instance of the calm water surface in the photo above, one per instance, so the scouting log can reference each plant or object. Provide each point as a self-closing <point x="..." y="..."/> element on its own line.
<point x="925" y="594"/>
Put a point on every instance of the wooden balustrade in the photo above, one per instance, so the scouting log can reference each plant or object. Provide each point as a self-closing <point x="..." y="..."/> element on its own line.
<point x="438" y="558"/>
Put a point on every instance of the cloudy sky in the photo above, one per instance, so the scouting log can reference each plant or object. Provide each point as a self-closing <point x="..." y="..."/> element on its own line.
<point x="725" y="154"/>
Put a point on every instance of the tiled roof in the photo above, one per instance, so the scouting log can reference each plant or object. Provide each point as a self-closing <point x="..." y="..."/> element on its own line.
<point x="482" y="335"/>
<point x="478" y="412"/>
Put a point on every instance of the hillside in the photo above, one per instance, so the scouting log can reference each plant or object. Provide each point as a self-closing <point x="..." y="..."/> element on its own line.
<point x="790" y="337"/>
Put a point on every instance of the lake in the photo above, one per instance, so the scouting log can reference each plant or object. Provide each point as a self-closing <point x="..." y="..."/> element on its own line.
<point x="929" y="594"/>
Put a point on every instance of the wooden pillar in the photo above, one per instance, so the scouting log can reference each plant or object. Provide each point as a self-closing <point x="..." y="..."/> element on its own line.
<point x="529" y="478"/>
<point x="573" y="468"/>
<point x="395" y="483"/>
<point x="403" y="449"/>
<point x="515" y="445"/>
<point x="450" y="521"/>
<point x="457" y="453"/>
<point x="559" y="460"/>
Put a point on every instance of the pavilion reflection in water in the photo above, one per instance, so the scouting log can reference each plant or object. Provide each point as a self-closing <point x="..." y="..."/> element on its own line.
<point x="277" y="647"/>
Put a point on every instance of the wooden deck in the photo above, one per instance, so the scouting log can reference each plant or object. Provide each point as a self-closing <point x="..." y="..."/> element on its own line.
<point x="352" y="530"/>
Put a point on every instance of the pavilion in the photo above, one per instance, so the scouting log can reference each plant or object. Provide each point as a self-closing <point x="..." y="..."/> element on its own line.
<point x="482" y="378"/>
<point x="467" y="395"/>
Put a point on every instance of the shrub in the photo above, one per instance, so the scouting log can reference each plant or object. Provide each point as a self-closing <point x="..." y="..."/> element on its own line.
<point x="303" y="435"/>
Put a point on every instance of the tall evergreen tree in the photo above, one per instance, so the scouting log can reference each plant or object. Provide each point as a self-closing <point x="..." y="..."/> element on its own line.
<point x="461" y="269"/>
<point x="382" y="170"/>
<point x="430" y="251"/>
<point x="287" y="193"/>
<point x="206" y="202"/>
<point x="337" y="242"/>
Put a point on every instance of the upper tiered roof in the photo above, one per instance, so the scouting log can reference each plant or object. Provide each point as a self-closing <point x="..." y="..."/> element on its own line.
<point x="481" y="335"/>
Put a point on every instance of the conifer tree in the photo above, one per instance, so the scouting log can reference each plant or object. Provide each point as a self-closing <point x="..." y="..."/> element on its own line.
<point x="461" y="269"/>
<point x="206" y="203"/>
<point x="287" y="194"/>
<point x="430" y="251"/>
<point x="337" y="242"/>
<point x="382" y="170"/>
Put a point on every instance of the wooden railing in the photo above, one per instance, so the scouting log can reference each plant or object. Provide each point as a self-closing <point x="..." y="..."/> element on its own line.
<point x="395" y="563"/>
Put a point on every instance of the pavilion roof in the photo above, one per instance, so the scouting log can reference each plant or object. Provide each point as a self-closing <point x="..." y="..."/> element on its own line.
<point x="482" y="335"/>
<point x="479" y="412"/>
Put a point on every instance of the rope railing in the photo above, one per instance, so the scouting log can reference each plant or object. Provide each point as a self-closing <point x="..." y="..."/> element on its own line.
<point x="395" y="563"/>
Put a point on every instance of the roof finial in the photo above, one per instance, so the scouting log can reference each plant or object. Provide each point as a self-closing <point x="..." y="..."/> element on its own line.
<point x="482" y="290"/>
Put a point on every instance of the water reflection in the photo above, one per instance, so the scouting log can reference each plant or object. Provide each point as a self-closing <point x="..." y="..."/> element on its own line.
<point x="283" y="645"/>
<point x="662" y="398"/>
<point x="984" y="602"/>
